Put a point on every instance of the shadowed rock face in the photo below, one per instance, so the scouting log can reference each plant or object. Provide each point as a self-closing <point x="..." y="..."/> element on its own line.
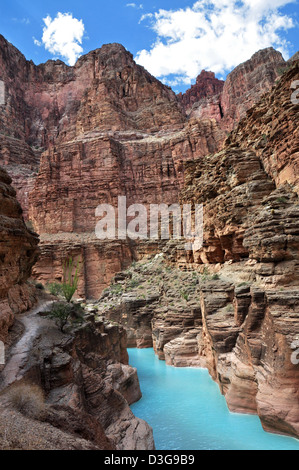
<point x="18" y="253"/>
<point x="271" y="129"/>
<point x="86" y="381"/>
<point x="74" y="137"/>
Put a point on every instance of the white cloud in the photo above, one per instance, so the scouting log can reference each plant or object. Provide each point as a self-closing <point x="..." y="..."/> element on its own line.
<point x="36" y="41"/>
<point x="134" y="5"/>
<point x="63" y="36"/>
<point x="145" y="16"/>
<point x="213" y="34"/>
<point x="21" y="20"/>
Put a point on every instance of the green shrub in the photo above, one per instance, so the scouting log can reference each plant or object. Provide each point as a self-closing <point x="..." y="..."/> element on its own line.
<point x="63" y="312"/>
<point x="229" y="308"/>
<point x="133" y="283"/>
<point x="282" y="200"/>
<point x="242" y="284"/>
<point x="185" y="296"/>
<point x="55" y="288"/>
<point x="116" y="289"/>
<point x="205" y="274"/>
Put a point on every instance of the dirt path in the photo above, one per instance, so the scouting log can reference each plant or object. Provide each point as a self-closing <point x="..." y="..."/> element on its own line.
<point x="19" y="353"/>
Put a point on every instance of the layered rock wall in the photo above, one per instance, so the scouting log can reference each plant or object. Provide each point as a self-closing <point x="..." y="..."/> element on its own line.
<point x="271" y="129"/>
<point x="245" y="335"/>
<point x="18" y="253"/>
<point x="74" y="137"/>
<point x="235" y="310"/>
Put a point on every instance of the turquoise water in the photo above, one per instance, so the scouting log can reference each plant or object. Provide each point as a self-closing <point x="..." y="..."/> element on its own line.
<point x="187" y="411"/>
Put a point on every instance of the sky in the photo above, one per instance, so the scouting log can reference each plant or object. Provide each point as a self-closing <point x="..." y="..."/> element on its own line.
<point x="173" y="39"/>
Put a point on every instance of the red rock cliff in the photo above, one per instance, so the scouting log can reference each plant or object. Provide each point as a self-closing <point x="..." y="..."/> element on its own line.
<point x="74" y="137"/>
<point x="18" y="253"/>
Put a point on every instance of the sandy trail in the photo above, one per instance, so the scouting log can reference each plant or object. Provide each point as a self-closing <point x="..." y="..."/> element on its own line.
<point x="19" y="353"/>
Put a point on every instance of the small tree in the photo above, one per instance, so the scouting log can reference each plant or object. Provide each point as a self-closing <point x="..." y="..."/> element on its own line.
<point x="71" y="271"/>
<point x="64" y="313"/>
<point x="61" y="313"/>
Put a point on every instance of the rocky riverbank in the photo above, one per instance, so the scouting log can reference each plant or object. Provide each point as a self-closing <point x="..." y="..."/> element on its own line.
<point x="242" y="333"/>
<point x="72" y="389"/>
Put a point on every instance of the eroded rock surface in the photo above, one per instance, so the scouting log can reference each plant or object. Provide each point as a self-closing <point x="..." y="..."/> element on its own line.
<point x="18" y="253"/>
<point x="75" y="137"/>
<point x="87" y="383"/>
<point x="244" y="334"/>
<point x="271" y="129"/>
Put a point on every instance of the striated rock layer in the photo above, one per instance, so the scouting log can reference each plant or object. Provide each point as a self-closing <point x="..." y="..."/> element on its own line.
<point x="228" y="101"/>
<point x="18" y="253"/>
<point x="75" y="137"/>
<point x="271" y="129"/>
<point x="244" y="334"/>
<point x="235" y="311"/>
<point x="250" y="209"/>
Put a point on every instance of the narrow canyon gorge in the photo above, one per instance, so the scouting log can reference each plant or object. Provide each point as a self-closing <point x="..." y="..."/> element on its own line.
<point x="72" y="138"/>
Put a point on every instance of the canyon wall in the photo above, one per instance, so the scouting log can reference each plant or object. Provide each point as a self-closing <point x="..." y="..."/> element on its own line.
<point x="232" y="305"/>
<point x="227" y="102"/>
<point x="249" y="189"/>
<point x="271" y="129"/>
<point x="75" y="137"/>
<point x="18" y="253"/>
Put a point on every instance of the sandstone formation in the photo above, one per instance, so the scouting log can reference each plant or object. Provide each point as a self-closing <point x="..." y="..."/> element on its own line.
<point x="85" y="379"/>
<point x="250" y="209"/>
<point x="87" y="386"/>
<point x="156" y="304"/>
<point x="203" y="100"/>
<point x="243" y="334"/>
<point x="18" y="253"/>
<point x="248" y="81"/>
<point x="271" y="129"/>
<point x="239" y="317"/>
<point x="75" y="137"/>
<point x="227" y="102"/>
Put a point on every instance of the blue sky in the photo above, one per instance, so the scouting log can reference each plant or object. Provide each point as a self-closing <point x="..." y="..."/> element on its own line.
<point x="174" y="39"/>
